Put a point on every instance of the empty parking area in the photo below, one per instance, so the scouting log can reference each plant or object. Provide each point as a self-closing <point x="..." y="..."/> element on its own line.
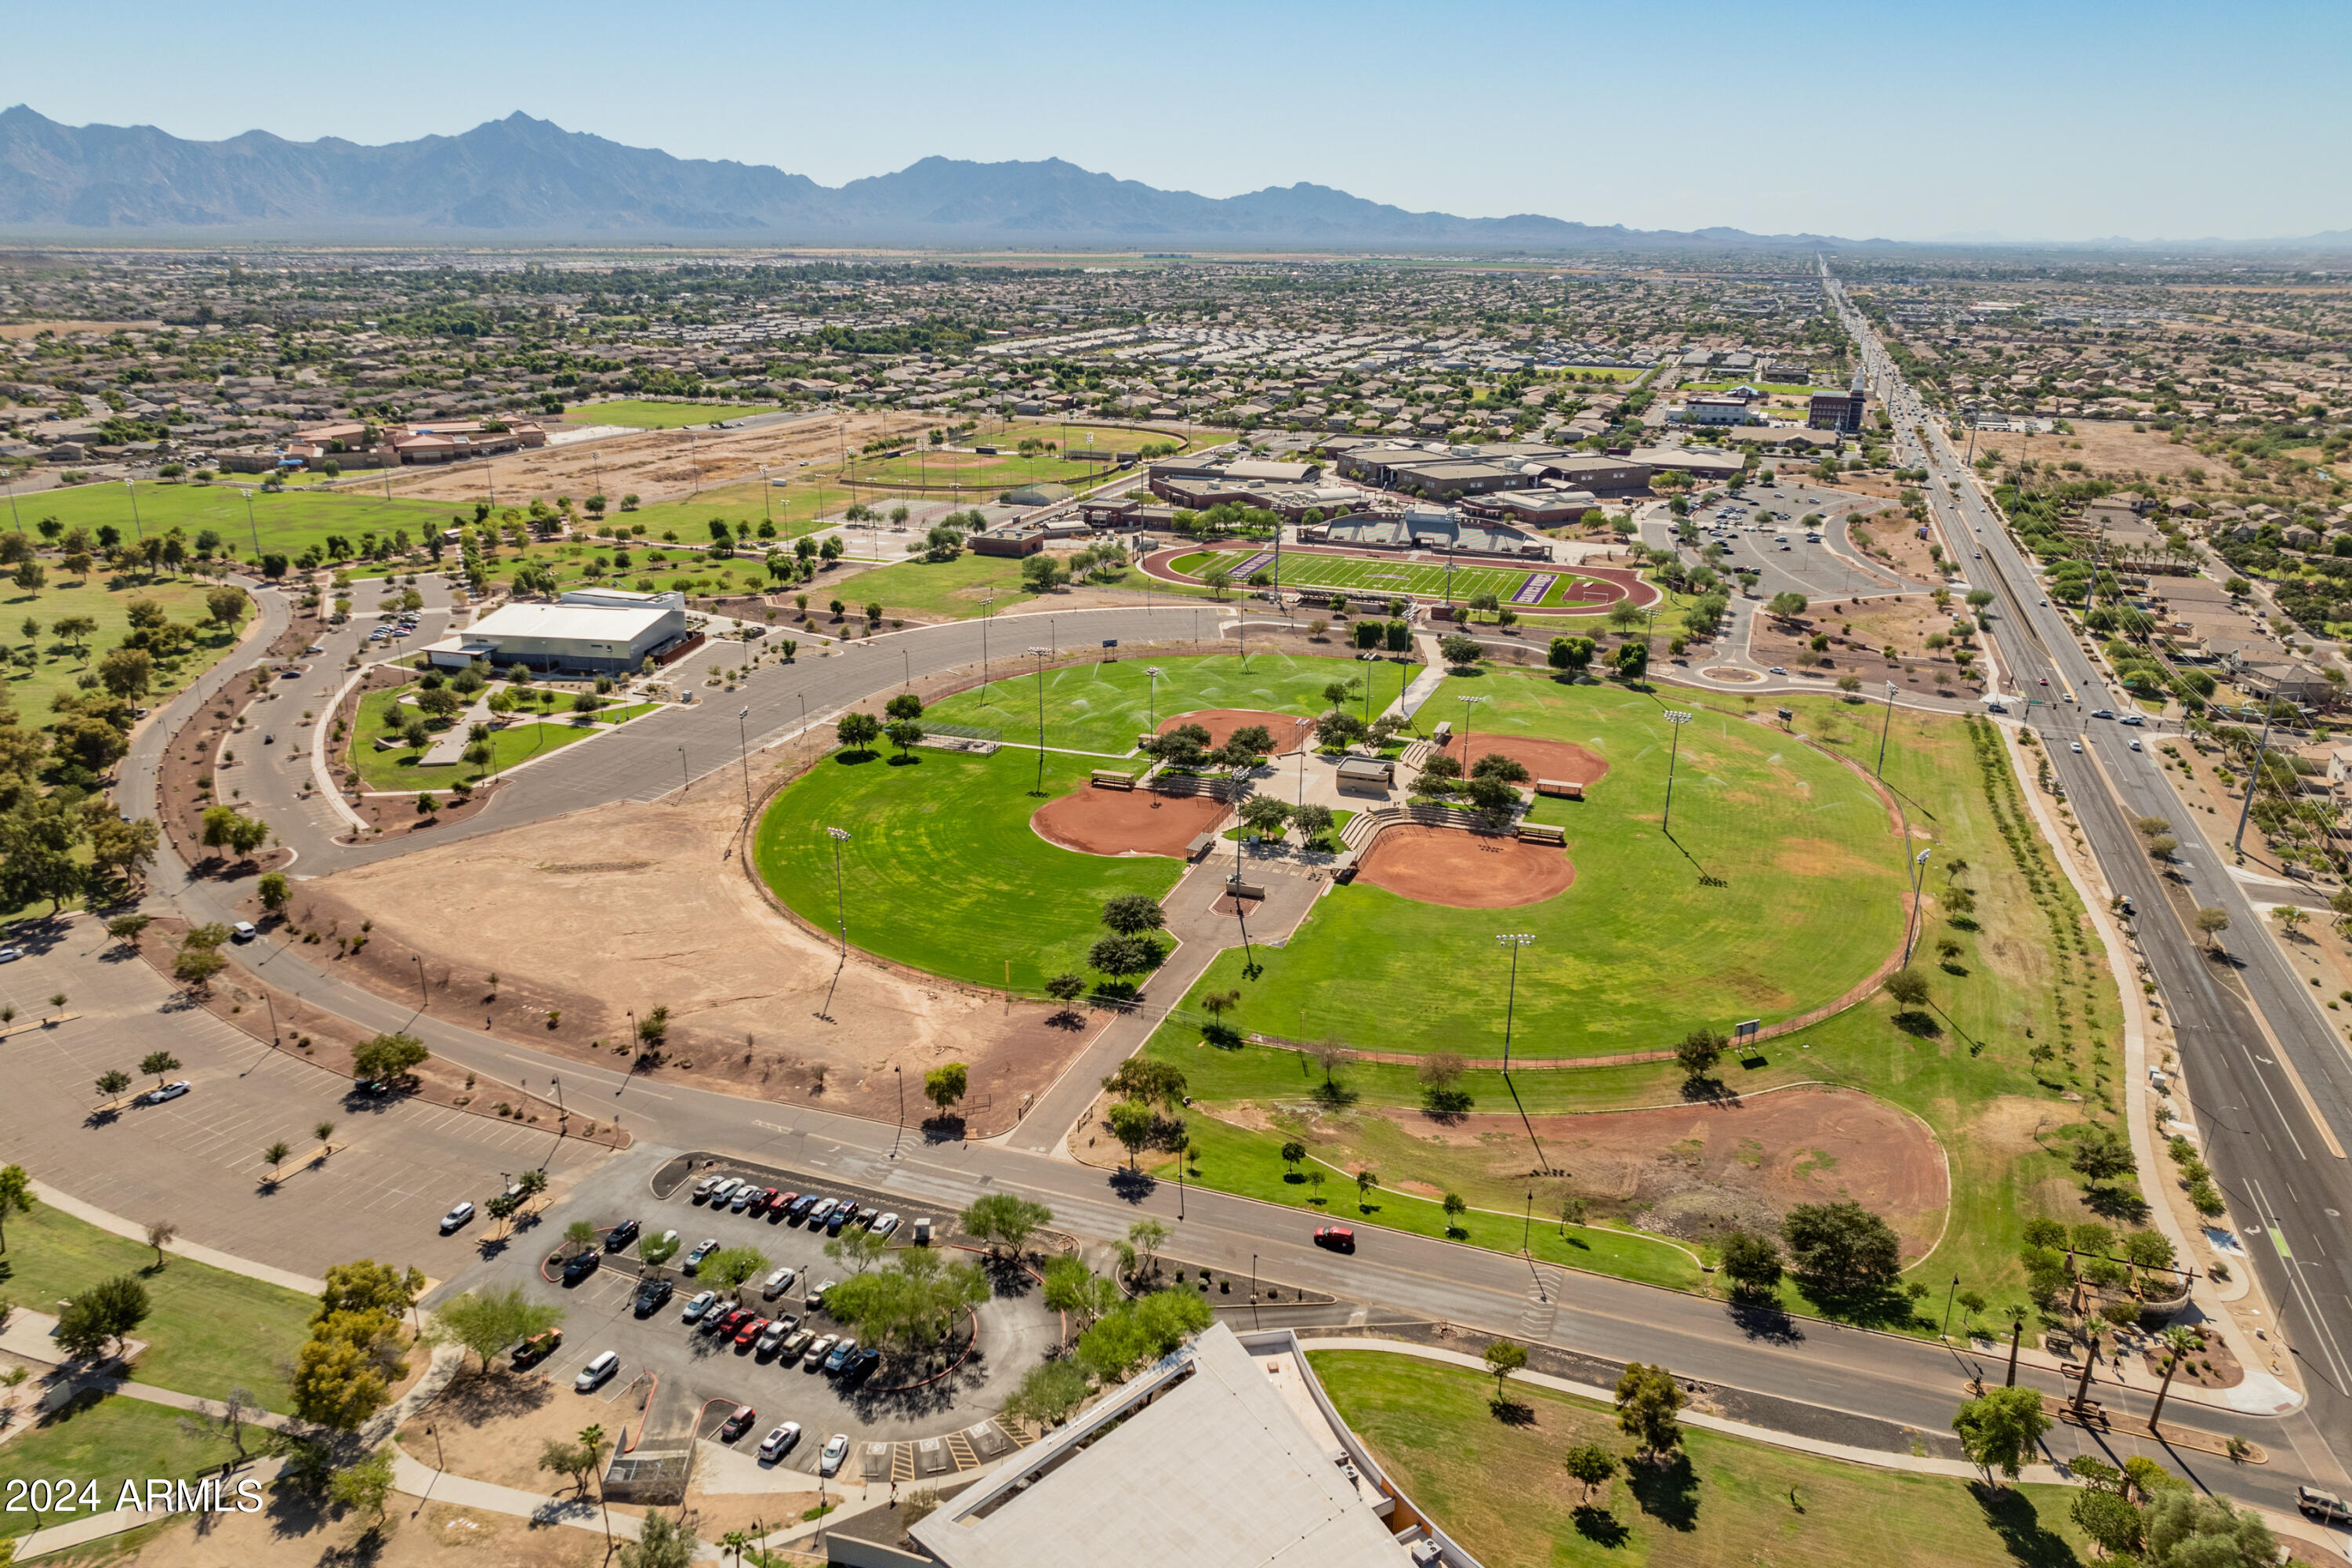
<point x="694" y="1377"/>
<point x="396" y="1165"/>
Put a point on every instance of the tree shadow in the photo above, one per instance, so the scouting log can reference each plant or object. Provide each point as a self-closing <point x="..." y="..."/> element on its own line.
<point x="1869" y="1307"/>
<point x="2117" y="1203"/>
<point x="2011" y="1515"/>
<point x="1765" y="1320"/>
<point x="1600" y="1526"/>
<point x="1708" y="1091"/>
<point x="1667" y="1492"/>
<point x="1918" y="1023"/>
<point x="1511" y="1412"/>
<point x="1132" y="1185"/>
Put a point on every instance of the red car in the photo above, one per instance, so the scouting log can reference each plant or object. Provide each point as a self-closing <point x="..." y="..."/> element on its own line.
<point x="737" y="1423"/>
<point x="732" y="1322"/>
<point x="778" y="1202"/>
<point x="760" y="1202"/>
<point x="751" y="1330"/>
<point x="1337" y="1237"/>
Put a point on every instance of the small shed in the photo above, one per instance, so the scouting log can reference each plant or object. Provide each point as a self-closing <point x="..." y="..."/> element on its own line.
<point x="1373" y="776"/>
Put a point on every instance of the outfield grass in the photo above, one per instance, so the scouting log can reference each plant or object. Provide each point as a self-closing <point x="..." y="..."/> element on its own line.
<point x="105" y="598"/>
<point x="2029" y="975"/>
<point x="109" y="1440"/>
<point x="646" y="413"/>
<point x="950" y="588"/>
<point x="801" y="507"/>
<point x="1498" y="1487"/>
<point x="208" y="1331"/>
<point x="942" y="870"/>
<point x="981" y="477"/>
<point x="1104" y="707"/>
<point x="1638" y="952"/>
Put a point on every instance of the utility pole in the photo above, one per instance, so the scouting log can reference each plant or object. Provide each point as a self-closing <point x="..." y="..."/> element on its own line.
<point x="2245" y="807"/>
<point x="743" y="744"/>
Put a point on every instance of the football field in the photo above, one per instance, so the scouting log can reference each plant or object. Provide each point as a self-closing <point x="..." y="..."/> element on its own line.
<point x="1404" y="576"/>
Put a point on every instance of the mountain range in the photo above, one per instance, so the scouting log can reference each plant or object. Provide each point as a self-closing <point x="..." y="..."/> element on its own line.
<point x="522" y="178"/>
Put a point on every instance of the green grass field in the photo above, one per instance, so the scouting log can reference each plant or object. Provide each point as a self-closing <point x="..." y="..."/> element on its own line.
<point x="1774" y="388"/>
<point x="2027" y="979"/>
<point x="1638" y="952"/>
<point x="208" y="1331"/>
<point x="109" y="1440"/>
<point x="290" y="522"/>
<point x="1498" y="1487"/>
<point x="1104" y="707"/>
<point x="950" y="588"/>
<point x="400" y="771"/>
<point x="979" y="478"/>
<point x="942" y="870"/>
<point x="645" y="413"/>
<point x="105" y="598"/>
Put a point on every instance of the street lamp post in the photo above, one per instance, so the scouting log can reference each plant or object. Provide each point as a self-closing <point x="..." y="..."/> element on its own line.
<point x="1514" y="940"/>
<point x="840" y="908"/>
<point x="1674" y="754"/>
<point x="901" y="1078"/>
<point x="1884" y="725"/>
<point x="743" y="745"/>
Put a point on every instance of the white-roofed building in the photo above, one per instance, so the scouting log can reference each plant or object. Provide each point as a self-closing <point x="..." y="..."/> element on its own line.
<point x="1222" y="1454"/>
<point x="572" y="638"/>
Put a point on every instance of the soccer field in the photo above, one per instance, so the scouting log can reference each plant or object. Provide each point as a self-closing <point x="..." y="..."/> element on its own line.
<point x="1392" y="575"/>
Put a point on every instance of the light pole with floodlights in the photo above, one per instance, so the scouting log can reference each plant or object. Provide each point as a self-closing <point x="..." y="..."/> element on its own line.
<point x="1884" y="725"/>
<point x="1040" y="654"/>
<point x="1514" y="940"/>
<point x="1918" y="869"/>
<point x="840" y="835"/>
<point x="1469" y="712"/>
<point x="1151" y="701"/>
<point x="1678" y="719"/>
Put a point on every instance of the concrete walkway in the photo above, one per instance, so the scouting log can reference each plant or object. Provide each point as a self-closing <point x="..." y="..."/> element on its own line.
<point x="1423" y="686"/>
<point x="91" y="1215"/>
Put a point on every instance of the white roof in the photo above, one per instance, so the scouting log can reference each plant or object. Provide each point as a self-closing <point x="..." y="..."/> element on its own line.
<point x="1218" y="1469"/>
<point x="575" y="623"/>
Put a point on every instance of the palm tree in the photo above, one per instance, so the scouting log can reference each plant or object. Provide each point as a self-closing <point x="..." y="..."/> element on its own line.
<point x="276" y="1154"/>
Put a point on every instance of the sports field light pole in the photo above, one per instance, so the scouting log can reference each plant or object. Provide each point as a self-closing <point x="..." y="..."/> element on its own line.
<point x="1678" y="719"/>
<point x="1918" y="869"/>
<point x="1151" y="701"/>
<point x="1884" y="725"/>
<point x="1514" y="940"/>
<point x="1040" y="654"/>
<point x="1469" y="712"/>
<point x="840" y="835"/>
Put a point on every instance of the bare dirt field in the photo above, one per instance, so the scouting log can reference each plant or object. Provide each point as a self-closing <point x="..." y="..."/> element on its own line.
<point x="1893" y="540"/>
<point x="1465" y="870"/>
<point x="1095" y="821"/>
<point x="2107" y="448"/>
<point x="652" y="894"/>
<point x="661" y="465"/>
<point x="1687" y="1170"/>
<point x="433" y="1535"/>
<point x="490" y="1426"/>
<point x="1542" y="759"/>
<point x="1220" y="722"/>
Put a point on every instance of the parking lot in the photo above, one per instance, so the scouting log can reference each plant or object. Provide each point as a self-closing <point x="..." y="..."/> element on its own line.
<point x="697" y="1378"/>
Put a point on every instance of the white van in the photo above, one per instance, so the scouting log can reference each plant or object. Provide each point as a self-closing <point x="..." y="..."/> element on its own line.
<point x="593" y="1374"/>
<point x="776" y="1284"/>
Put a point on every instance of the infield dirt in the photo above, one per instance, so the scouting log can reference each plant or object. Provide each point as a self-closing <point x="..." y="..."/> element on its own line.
<point x="1095" y="821"/>
<point x="1220" y="722"/>
<point x="1542" y="759"/>
<point x="1466" y="870"/>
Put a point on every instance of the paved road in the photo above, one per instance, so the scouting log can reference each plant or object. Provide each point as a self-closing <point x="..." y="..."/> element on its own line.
<point x="2287" y="1186"/>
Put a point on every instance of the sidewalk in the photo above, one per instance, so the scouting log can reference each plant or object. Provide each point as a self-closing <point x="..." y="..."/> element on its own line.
<point x="197" y="1252"/>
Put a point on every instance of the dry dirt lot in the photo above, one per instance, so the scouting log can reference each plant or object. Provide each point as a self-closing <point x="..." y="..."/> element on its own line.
<point x="2107" y="448"/>
<point x="659" y="465"/>
<point x="635" y="905"/>
<point x="292" y="1534"/>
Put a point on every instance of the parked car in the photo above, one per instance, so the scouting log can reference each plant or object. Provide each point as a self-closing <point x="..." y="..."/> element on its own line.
<point x="759" y="1204"/>
<point x="537" y="1348"/>
<point x="171" y="1091"/>
<point x="789" y="1350"/>
<point x="735" y="1426"/>
<point x="814" y="1300"/>
<point x="841" y="1356"/>
<point x="801" y="1206"/>
<point x="725" y="1190"/>
<point x="621" y="1234"/>
<point x="818" y="1350"/>
<point x="2325" y="1507"/>
<point x="593" y="1374"/>
<point x="864" y="1362"/>
<point x="923" y="1232"/>
<point x="824" y="1206"/>
<point x="836" y="1448"/>
<point x="748" y="1331"/>
<point x="580" y="1265"/>
<point x="780" y="1205"/>
<point x="456" y="1217"/>
<point x="243" y="930"/>
<point x="731" y="1321"/>
<point x="651" y="1295"/>
<point x="743" y="1197"/>
<point x="11" y="955"/>
<point x="886" y="1225"/>
<point x="702" y="1249"/>
<point x="839" y="1217"/>
<point x="774" y="1334"/>
<point x="1337" y="1237"/>
<point x="702" y="1189"/>
<point x="777" y="1283"/>
<point x="699" y="1306"/>
<point x="779" y="1443"/>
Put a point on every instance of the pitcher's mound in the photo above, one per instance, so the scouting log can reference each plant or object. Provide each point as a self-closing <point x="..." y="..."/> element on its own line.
<point x="1542" y="759"/>
<point x="1125" y="821"/>
<point x="1467" y="870"/>
<point x="1220" y="722"/>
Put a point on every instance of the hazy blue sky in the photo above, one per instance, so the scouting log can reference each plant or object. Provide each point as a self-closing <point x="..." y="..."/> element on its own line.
<point x="2063" y="118"/>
